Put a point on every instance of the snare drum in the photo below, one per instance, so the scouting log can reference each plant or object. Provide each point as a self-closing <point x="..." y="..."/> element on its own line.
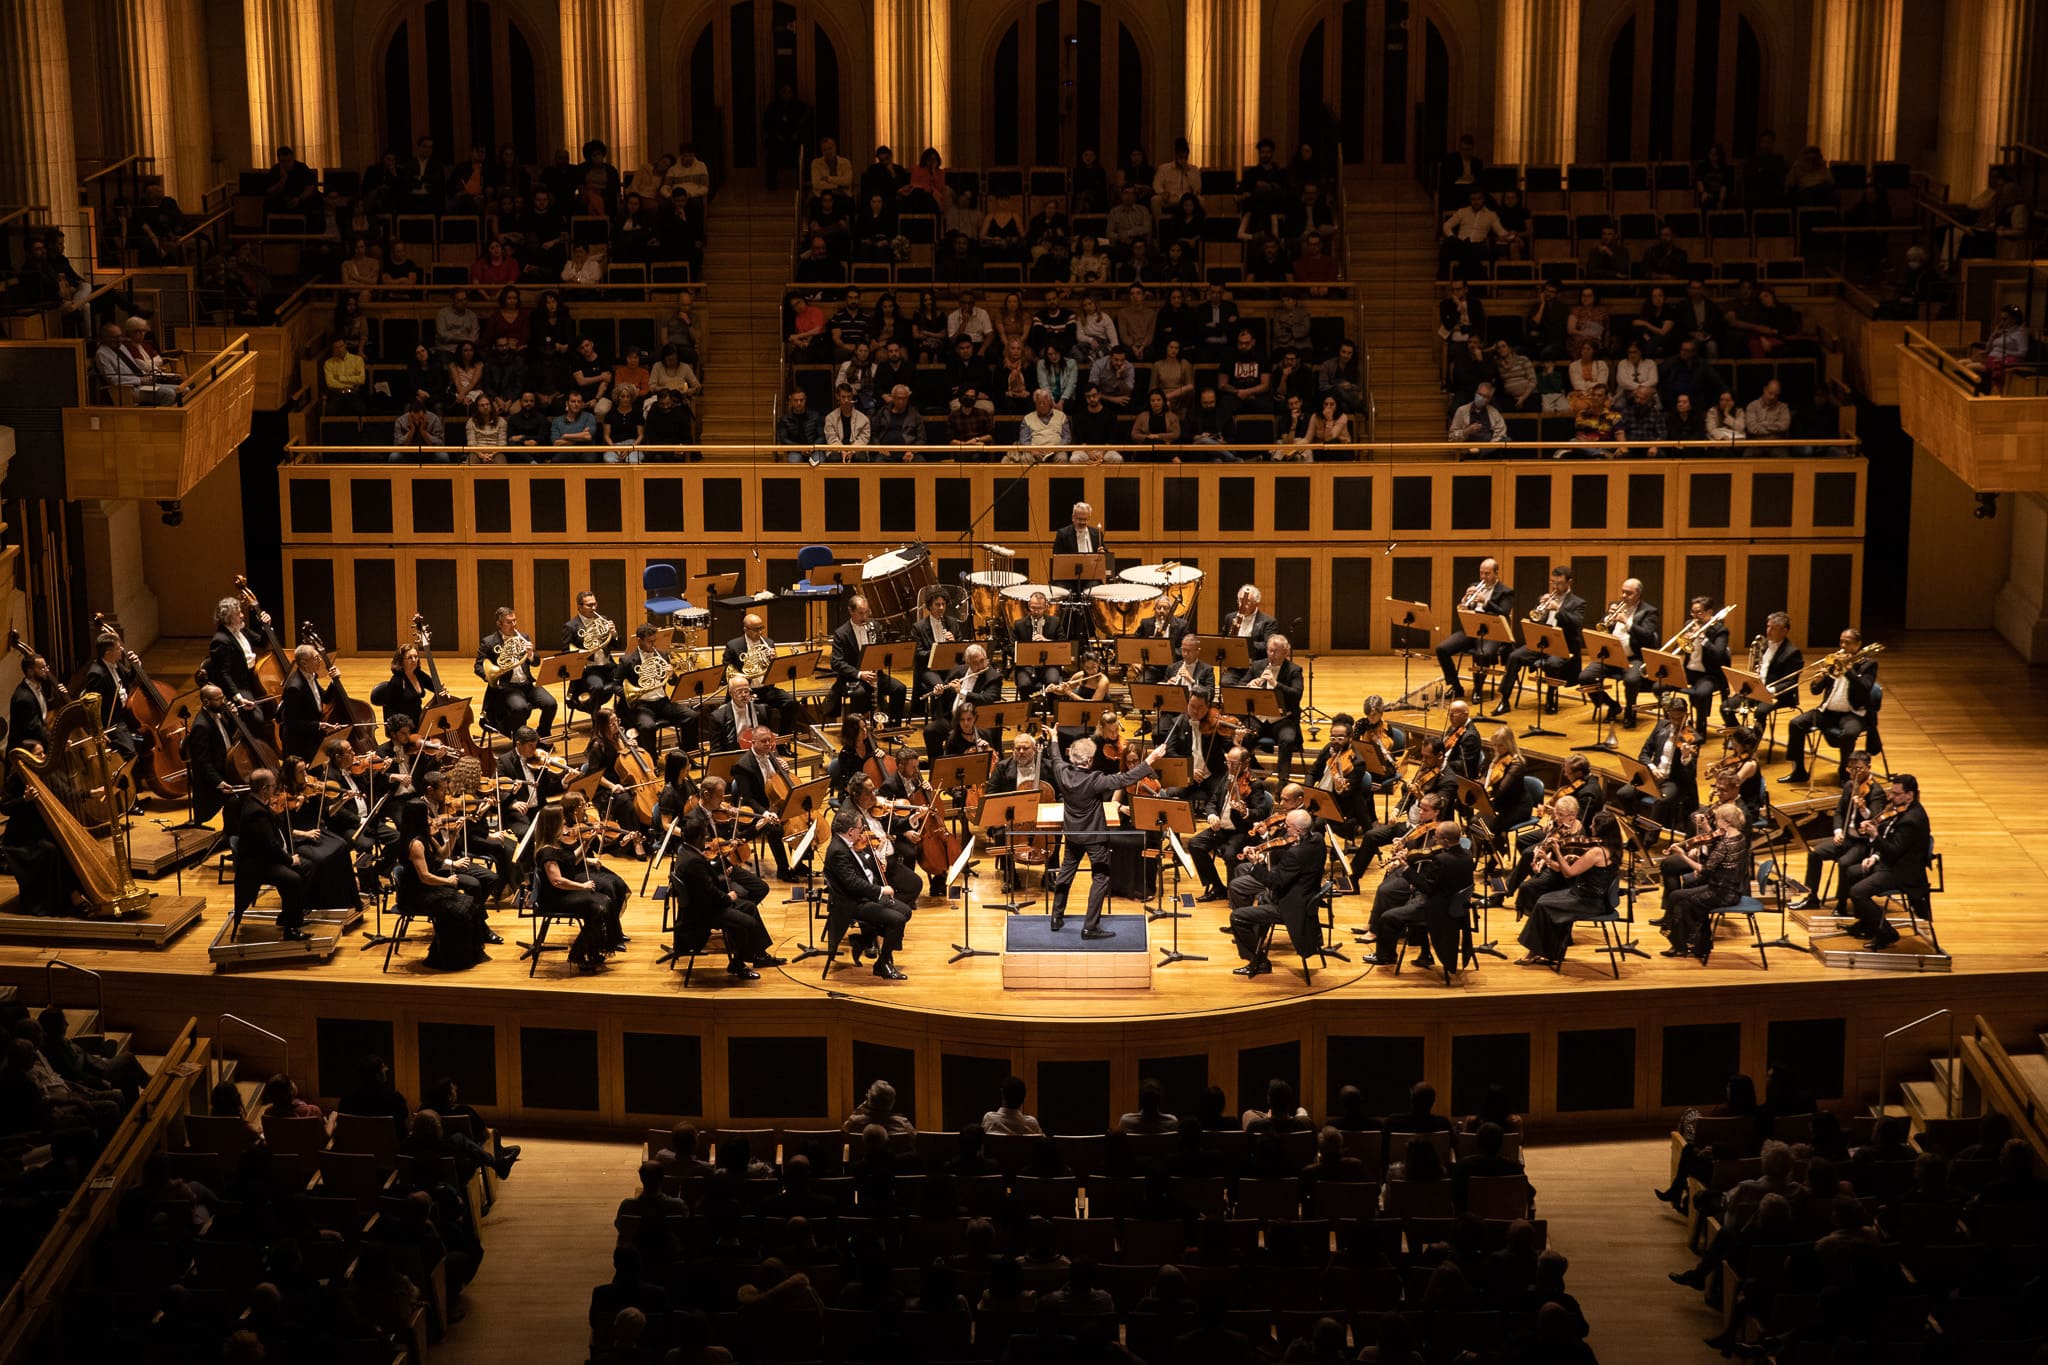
<point x="894" y="581"/>
<point x="985" y="592"/>
<point x="1017" y="600"/>
<point x="692" y="627"/>
<point x="1181" y="582"/>
<point x="1120" y="608"/>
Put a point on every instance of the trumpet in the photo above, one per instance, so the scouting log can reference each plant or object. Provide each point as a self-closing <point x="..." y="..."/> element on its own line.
<point x="1616" y="611"/>
<point x="1474" y="595"/>
<point x="1545" y="605"/>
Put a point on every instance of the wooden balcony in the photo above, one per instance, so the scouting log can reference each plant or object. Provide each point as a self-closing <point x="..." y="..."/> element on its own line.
<point x="1995" y="444"/>
<point x="129" y="451"/>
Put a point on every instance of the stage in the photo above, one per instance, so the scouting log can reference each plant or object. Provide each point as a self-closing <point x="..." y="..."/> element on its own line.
<point x="629" y="1045"/>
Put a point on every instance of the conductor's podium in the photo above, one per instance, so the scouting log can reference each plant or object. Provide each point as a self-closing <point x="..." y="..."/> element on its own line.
<point x="1036" y="958"/>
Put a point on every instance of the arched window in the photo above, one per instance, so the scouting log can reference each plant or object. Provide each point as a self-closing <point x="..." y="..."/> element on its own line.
<point x="1067" y="75"/>
<point x="736" y="62"/>
<point x="463" y="73"/>
<point x="1380" y="72"/>
<point x="1682" y="75"/>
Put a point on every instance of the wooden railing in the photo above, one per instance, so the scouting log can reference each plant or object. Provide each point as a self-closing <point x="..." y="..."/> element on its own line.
<point x="162" y="452"/>
<point x="1993" y="443"/>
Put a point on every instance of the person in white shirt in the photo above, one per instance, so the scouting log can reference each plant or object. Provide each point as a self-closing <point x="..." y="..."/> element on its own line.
<point x="970" y="318"/>
<point x="583" y="267"/>
<point x="1177" y="177"/>
<point x="139" y="373"/>
<point x="829" y="170"/>
<point x="1768" y="416"/>
<point x="1635" y="372"/>
<point x="1470" y="233"/>
<point x="1044" y="425"/>
<point x="689" y="179"/>
<point x="455" y="324"/>
<point x="846" y="426"/>
<point x="1479" y="420"/>
<point x="1010" y="1120"/>
<point x="1588" y="371"/>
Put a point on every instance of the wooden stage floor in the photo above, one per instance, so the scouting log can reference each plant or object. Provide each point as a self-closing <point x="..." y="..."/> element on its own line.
<point x="1961" y="712"/>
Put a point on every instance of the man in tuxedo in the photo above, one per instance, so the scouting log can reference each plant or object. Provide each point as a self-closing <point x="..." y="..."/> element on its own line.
<point x="1354" y="800"/>
<point x="1780" y="669"/>
<point x="1278" y="673"/>
<point x="349" y="814"/>
<point x="28" y="711"/>
<point x="706" y="903"/>
<point x="1662" y="754"/>
<point x="1081" y="537"/>
<point x="971" y="682"/>
<point x="108" y="677"/>
<point x="1086" y="830"/>
<point x="732" y="724"/>
<point x="1188" y="670"/>
<point x="1162" y="624"/>
<point x="751" y="773"/>
<point x="1230" y="825"/>
<point x="1847" y="703"/>
<point x="264" y="856"/>
<point x="648" y="712"/>
<point x="514" y="696"/>
<point x="1438" y="885"/>
<point x="1289" y="879"/>
<point x="864" y="689"/>
<point x="205" y="749"/>
<point x="536" y="783"/>
<point x="859" y="894"/>
<point x="1565" y="610"/>
<point x="930" y="630"/>
<point x="1251" y="623"/>
<point x="752" y="640"/>
<point x="600" y="671"/>
<point x="1458" y="174"/>
<point x="1037" y="624"/>
<point x="1640" y="628"/>
<point x="1861" y="798"/>
<point x="1208" y="753"/>
<point x="1488" y="595"/>
<point x="232" y="652"/>
<point x="1900" y="841"/>
<point x="1705" y="655"/>
<point x="299" y="723"/>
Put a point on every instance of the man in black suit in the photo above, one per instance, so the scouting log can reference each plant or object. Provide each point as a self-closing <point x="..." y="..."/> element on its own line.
<point x="864" y="689"/>
<point x="511" y="696"/>
<point x="1459" y="173"/>
<point x="108" y="677"/>
<point x="1289" y="878"/>
<point x="751" y="772"/>
<point x="930" y="630"/>
<point x="1488" y="595"/>
<point x="1086" y="830"/>
<point x="1351" y="791"/>
<point x="1900" y="842"/>
<point x="1861" y="798"/>
<point x="971" y="682"/>
<point x="1563" y="609"/>
<point x="732" y="725"/>
<point x="232" y="652"/>
<point x="600" y="671"/>
<point x="706" y="903"/>
<point x="753" y="643"/>
<point x="28" y="711"/>
<point x="1188" y="671"/>
<point x="205" y="748"/>
<point x="1278" y="673"/>
<point x="1639" y="627"/>
<point x="299" y="724"/>
<point x="1230" y="824"/>
<point x="859" y="894"/>
<point x="1847" y="696"/>
<point x="1780" y="668"/>
<point x="353" y="814"/>
<point x="1081" y="537"/>
<point x="1206" y="749"/>
<point x="1037" y="624"/>
<point x="1705" y="652"/>
<point x="1663" y="754"/>
<point x="264" y="856"/>
<point x="534" y="781"/>
<point x="1162" y="624"/>
<point x="648" y="711"/>
<point x="1437" y="887"/>
<point x="1251" y="623"/>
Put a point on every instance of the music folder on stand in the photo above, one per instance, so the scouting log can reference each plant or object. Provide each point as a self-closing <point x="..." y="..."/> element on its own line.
<point x="1001" y="811"/>
<point x="1548" y="641"/>
<point x="1611" y="653"/>
<point x="958" y="875"/>
<point x="1415" y="618"/>
<point x="1170" y="820"/>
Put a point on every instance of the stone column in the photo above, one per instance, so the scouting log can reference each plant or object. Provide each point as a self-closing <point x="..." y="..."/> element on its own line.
<point x="110" y="540"/>
<point x="1853" y="97"/>
<point x="156" y="95"/>
<point x="2021" y="609"/>
<point x="914" y="76"/>
<point x="1536" y="105"/>
<point x="38" y="148"/>
<point x="604" y="78"/>
<point x="191" y="102"/>
<point x="1993" y="87"/>
<point x="292" y="93"/>
<point x="1223" y="39"/>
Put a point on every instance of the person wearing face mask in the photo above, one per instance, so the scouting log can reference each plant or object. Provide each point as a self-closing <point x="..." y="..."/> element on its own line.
<point x="1479" y="420"/>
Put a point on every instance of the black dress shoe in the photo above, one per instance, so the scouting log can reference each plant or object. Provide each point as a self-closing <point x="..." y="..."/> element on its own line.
<point x="1501" y="709"/>
<point x="888" y="972"/>
<point x="491" y="937"/>
<point x="1059" y="922"/>
<point x="1455" y="690"/>
<point x="1247" y="970"/>
<point x="1884" y="938"/>
<point x="1551" y="705"/>
<point x="1214" y="893"/>
<point x="857" y="944"/>
<point x="770" y="960"/>
<point x="1803" y="903"/>
<point x="1674" y="952"/>
<point x="1628" y="719"/>
<point x="1262" y="966"/>
<point x="293" y="935"/>
<point x="741" y="971"/>
<point x="1425" y="962"/>
<point x="1098" y="933"/>
<point x="1794" y="776"/>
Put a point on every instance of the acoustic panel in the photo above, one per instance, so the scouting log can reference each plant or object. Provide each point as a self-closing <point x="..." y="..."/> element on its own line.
<point x="1596" y="1069"/>
<point x="1073" y="1097"/>
<point x="1257" y="1066"/>
<point x="969" y="1087"/>
<point x="558" y="1069"/>
<point x="896" y="1065"/>
<point x="464" y="1053"/>
<point x="339" y="1048"/>
<point x="1481" y="1061"/>
<point x="1383" y="1067"/>
<point x="776" y="1077"/>
<point x="1696" y="1062"/>
<point x="663" y="1073"/>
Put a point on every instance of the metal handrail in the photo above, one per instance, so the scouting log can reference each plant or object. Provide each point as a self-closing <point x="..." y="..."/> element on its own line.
<point x="1948" y="1097"/>
<point x="99" y="984"/>
<point x="221" y="1027"/>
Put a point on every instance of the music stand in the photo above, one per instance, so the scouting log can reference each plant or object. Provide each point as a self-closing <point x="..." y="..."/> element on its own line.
<point x="999" y="716"/>
<point x="1145" y="651"/>
<point x="1173" y="773"/>
<point x="841" y="576"/>
<point x="789" y="667"/>
<point x="804" y="799"/>
<point x="1415" y="618"/>
<point x="948" y="656"/>
<point x="1222" y="652"/>
<point x="1550" y="642"/>
<point x="959" y="874"/>
<point x="1170" y="820"/>
<point x="446" y="718"/>
<point x="564" y="669"/>
<point x="697" y="685"/>
<point x="1258" y="703"/>
<point x="883" y="659"/>
<point x="1002" y="811"/>
<point x="711" y="587"/>
<point x="1750" y="687"/>
<point x="1158" y="697"/>
<point x="1638" y="775"/>
<point x="1486" y="627"/>
<point x="809" y="947"/>
<point x="1068" y="714"/>
<point x="1089" y="568"/>
<point x="1610" y="652"/>
<point x="961" y="771"/>
<point x="1042" y="653"/>
<point x="1662" y="671"/>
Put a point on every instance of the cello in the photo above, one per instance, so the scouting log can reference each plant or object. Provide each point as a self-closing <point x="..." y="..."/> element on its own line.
<point x="165" y="721"/>
<point x="937" y="846"/>
<point x="273" y="667"/>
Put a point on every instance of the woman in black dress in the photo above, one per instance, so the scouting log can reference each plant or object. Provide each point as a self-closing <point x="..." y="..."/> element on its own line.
<point x="428" y="887"/>
<point x="579" y="813"/>
<point x="411" y="688"/>
<point x="326" y="858"/>
<point x="1588" y="867"/>
<point x="568" y="887"/>
<point x="606" y="755"/>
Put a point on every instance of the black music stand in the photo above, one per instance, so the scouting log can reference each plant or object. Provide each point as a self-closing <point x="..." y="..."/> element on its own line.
<point x="804" y="799"/>
<point x="1415" y="618"/>
<point x="1550" y="642"/>
<point x="809" y="896"/>
<point x="1610" y="652"/>
<point x="1484" y="628"/>
<point x="959" y="874"/>
<point x="1002" y="811"/>
<point x="564" y="669"/>
<point x="1170" y="820"/>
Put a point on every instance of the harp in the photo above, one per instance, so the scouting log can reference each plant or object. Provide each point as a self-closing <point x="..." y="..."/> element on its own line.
<point x="77" y="788"/>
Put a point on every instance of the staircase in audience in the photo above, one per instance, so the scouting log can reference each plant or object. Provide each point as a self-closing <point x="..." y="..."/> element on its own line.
<point x="1391" y="255"/>
<point x="746" y="263"/>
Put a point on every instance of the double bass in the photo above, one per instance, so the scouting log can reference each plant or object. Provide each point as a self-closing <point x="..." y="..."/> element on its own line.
<point x="340" y="708"/>
<point x="250" y="750"/>
<point x="274" y="665"/>
<point x="164" y="721"/>
<point x="423" y="638"/>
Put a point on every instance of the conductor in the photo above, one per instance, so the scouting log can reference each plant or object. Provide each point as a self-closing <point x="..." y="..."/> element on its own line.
<point x="1087" y="831"/>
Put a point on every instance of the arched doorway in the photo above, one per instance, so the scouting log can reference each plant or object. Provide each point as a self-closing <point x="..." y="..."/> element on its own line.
<point x="1381" y="71"/>
<point x="1681" y="75"/>
<point x="463" y="73"/>
<point x="1064" y="76"/>
<point x="737" y="61"/>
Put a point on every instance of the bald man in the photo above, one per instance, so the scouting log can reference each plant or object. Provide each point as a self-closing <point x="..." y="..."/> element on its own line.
<point x="864" y="689"/>
<point x="1289" y="877"/>
<point x="1637" y="623"/>
<point x="752" y="639"/>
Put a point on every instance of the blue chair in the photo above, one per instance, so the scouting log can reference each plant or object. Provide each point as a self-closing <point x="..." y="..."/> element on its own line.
<point x="658" y="585"/>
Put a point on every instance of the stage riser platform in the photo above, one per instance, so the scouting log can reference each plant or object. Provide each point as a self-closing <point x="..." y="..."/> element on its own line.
<point x="722" y="1053"/>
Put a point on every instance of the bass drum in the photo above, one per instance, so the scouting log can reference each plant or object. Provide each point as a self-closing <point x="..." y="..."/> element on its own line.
<point x="1182" y="582"/>
<point x="1120" y="608"/>
<point x="986" y="593"/>
<point x="894" y="583"/>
